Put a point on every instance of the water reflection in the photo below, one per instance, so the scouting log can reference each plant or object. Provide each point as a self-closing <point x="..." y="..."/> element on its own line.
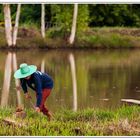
<point x="7" y="79"/>
<point x="43" y="66"/>
<point x="17" y="81"/>
<point x="11" y="57"/>
<point x="82" y="79"/>
<point x="74" y="81"/>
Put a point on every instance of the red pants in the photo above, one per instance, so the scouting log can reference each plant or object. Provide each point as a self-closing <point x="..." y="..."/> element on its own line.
<point x="45" y="93"/>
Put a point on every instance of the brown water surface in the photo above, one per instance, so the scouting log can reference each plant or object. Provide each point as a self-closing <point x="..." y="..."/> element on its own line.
<point x="104" y="77"/>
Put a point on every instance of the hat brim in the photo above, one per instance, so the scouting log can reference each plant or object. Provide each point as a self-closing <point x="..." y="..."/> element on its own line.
<point x="19" y="75"/>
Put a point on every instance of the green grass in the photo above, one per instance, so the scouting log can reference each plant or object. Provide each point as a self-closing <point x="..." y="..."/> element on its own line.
<point x="109" y="38"/>
<point x="89" y="122"/>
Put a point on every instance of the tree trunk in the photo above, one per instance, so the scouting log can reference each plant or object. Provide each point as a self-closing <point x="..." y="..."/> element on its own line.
<point x="7" y="79"/>
<point x="73" y="72"/>
<point x="8" y="25"/>
<point x="73" y="29"/>
<point x="15" y="31"/>
<point x="16" y="80"/>
<point x="43" y="20"/>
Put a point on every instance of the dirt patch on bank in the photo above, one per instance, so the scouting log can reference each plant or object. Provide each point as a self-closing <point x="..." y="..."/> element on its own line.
<point x="24" y="32"/>
<point x="131" y="32"/>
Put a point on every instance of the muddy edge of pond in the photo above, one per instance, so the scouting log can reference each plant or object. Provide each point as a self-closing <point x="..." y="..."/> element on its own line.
<point x="63" y="48"/>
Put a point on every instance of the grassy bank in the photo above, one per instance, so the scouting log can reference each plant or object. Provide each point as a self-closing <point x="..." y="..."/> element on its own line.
<point x="104" y="37"/>
<point x="89" y="122"/>
<point x="110" y="38"/>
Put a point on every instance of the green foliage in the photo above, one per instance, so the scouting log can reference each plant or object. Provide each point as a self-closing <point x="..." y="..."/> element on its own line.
<point x="92" y="14"/>
<point x="1" y="13"/>
<point x="30" y="13"/>
<point x="63" y="15"/>
<point x="83" y="18"/>
<point x="54" y="33"/>
<point x="114" y="15"/>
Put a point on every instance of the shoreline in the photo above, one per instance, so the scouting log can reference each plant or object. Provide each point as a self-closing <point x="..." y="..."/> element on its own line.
<point x="92" y="38"/>
<point x="64" y="49"/>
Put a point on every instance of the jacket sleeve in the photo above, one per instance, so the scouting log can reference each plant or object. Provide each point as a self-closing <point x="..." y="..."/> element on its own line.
<point x="38" y="87"/>
<point x="23" y="85"/>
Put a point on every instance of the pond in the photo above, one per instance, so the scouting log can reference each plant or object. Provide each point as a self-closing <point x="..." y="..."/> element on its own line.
<point x="103" y="77"/>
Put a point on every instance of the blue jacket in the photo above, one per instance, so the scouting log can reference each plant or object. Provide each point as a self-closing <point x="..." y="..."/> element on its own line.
<point x="37" y="82"/>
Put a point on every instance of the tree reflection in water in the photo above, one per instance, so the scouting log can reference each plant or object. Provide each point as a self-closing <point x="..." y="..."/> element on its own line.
<point x="11" y="57"/>
<point x="74" y="81"/>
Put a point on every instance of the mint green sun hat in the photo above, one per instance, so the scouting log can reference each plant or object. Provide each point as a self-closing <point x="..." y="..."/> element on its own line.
<point x="25" y="70"/>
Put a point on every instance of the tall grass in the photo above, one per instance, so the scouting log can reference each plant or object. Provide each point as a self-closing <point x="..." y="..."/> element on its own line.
<point x="109" y="38"/>
<point x="88" y="122"/>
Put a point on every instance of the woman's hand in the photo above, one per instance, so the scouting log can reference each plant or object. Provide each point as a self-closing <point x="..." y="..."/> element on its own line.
<point x="27" y="96"/>
<point x="37" y="109"/>
<point x="18" y="88"/>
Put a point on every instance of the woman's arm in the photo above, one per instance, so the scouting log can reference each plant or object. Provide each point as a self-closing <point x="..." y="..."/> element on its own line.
<point x="24" y="87"/>
<point x="38" y="87"/>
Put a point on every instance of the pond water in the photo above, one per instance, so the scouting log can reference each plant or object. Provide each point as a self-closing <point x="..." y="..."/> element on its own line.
<point x="103" y="77"/>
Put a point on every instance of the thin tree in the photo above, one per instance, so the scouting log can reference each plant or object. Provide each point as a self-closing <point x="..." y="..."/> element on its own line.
<point x="11" y="37"/>
<point x="43" y="20"/>
<point x="8" y="24"/>
<point x="73" y="29"/>
<point x="15" y="31"/>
